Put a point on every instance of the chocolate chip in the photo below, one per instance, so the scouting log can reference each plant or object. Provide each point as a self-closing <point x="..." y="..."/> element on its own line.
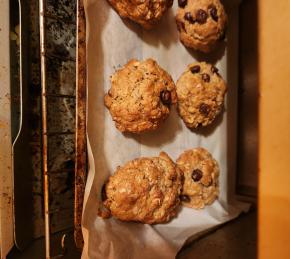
<point x="184" y="198"/>
<point x="180" y="26"/>
<point x="103" y="193"/>
<point x="196" y="175"/>
<point x="205" y="77"/>
<point x="201" y="16"/>
<point x="213" y="12"/>
<point x="182" y="177"/>
<point x="182" y="3"/>
<point x="188" y="17"/>
<point x="173" y="178"/>
<point x="214" y="69"/>
<point x="195" y="69"/>
<point x="204" y="109"/>
<point x="165" y="97"/>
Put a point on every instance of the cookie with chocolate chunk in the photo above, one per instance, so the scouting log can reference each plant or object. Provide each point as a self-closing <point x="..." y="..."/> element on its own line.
<point x="200" y="93"/>
<point x="201" y="23"/>
<point x="140" y="97"/>
<point x="145" y="190"/>
<point x="145" y="12"/>
<point x="201" y="173"/>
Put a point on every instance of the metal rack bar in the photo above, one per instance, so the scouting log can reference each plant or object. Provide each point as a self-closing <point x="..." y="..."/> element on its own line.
<point x="45" y="134"/>
<point x="81" y="145"/>
<point x="44" y="128"/>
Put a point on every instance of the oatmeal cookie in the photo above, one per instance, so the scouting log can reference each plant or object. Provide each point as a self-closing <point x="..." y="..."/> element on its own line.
<point x="140" y="96"/>
<point x="200" y="93"/>
<point x="144" y="12"/>
<point x="145" y="190"/>
<point x="201" y="23"/>
<point x="201" y="172"/>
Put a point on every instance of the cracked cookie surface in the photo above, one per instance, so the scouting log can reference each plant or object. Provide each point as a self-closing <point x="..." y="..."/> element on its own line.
<point x="144" y="12"/>
<point x="201" y="173"/>
<point x="145" y="190"/>
<point x="200" y="93"/>
<point x="140" y="96"/>
<point x="201" y="23"/>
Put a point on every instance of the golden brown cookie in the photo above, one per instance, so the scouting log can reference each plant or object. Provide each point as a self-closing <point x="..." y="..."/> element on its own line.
<point x="201" y="23"/>
<point x="145" y="190"/>
<point x="140" y="96"/>
<point x="144" y="12"/>
<point x="200" y="93"/>
<point x="201" y="172"/>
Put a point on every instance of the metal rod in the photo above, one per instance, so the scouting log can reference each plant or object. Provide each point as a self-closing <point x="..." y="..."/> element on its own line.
<point x="44" y="128"/>
<point x="81" y="157"/>
<point x="46" y="135"/>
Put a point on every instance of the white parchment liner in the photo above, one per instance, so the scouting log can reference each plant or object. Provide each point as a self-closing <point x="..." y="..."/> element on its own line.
<point x="111" y="42"/>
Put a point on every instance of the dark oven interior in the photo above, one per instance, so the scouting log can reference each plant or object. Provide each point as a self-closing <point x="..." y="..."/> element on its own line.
<point x="60" y="71"/>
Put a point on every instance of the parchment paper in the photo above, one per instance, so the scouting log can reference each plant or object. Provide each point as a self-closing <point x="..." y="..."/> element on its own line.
<point x="111" y="42"/>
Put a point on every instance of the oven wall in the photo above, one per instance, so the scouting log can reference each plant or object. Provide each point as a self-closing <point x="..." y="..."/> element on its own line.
<point x="6" y="219"/>
<point x="247" y="148"/>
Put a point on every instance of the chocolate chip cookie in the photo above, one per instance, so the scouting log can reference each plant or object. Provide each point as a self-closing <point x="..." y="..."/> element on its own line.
<point x="140" y="96"/>
<point x="201" y="23"/>
<point x="200" y="93"/>
<point x="144" y="12"/>
<point x="145" y="190"/>
<point x="201" y="172"/>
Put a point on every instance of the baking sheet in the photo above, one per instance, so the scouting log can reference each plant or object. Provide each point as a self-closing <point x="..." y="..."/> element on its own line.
<point x="111" y="42"/>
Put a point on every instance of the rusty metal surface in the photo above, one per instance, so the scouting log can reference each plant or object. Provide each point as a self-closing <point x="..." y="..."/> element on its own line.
<point x="46" y="180"/>
<point x="62" y="134"/>
<point x="57" y="42"/>
<point x="60" y="112"/>
<point x="60" y="32"/>
<point x="60" y="70"/>
<point x="6" y="191"/>
<point x="81" y="157"/>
